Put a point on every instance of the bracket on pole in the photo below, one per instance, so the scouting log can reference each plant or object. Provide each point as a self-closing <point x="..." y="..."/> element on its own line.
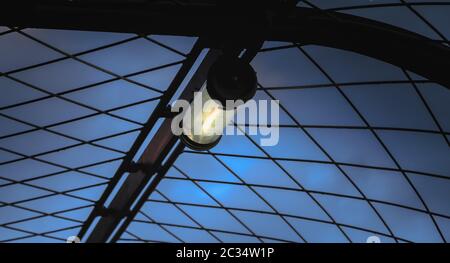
<point x="168" y="113"/>
<point x="105" y="212"/>
<point x="148" y="169"/>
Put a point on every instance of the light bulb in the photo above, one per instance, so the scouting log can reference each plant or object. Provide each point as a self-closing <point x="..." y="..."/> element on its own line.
<point x="229" y="79"/>
<point x="207" y="123"/>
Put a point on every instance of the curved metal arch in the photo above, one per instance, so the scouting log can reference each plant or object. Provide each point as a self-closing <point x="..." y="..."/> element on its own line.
<point x="243" y="23"/>
<point x="301" y="25"/>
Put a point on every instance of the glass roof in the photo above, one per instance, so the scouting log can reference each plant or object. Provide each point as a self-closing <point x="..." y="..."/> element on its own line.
<point x="428" y="18"/>
<point x="72" y="105"/>
<point x="364" y="146"/>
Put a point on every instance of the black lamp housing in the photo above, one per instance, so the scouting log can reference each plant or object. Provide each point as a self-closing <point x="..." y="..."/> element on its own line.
<point x="230" y="78"/>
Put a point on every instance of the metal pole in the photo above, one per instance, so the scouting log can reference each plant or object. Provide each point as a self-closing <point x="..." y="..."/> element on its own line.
<point x="150" y="162"/>
<point x="220" y="21"/>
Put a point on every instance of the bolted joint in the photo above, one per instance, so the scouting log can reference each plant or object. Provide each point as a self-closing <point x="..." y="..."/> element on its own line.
<point x="134" y="167"/>
<point x="148" y="169"/>
<point x="109" y="212"/>
<point x="168" y="113"/>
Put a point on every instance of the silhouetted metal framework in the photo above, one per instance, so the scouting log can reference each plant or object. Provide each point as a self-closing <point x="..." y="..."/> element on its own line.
<point x="266" y="21"/>
<point x="220" y="22"/>
<point x="150" y="167"/>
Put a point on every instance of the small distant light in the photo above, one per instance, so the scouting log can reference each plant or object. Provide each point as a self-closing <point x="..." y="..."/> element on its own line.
<point x="373" y="239"/>
<point x="73" y="239"/>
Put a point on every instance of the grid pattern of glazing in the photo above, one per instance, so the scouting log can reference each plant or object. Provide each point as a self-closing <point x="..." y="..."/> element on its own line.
<point x="72" y="104"/>
<point x="364" y="150"/>
<point x="428" y="18"/>
<point x="364" y="146"/>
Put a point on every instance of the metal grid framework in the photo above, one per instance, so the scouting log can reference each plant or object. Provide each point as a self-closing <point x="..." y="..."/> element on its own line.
<point x="62" y="139"/>
<point x="364" y="146"/>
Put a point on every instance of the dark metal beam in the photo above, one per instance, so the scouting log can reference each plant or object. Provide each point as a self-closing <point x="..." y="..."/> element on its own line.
<point x="148" y="191"/>
<point x="158" y="112"/>
<point x="151" y="162"/>
<point x="243" y="20"/>
<point x="194" y="84"/>
<point x="148" y="126"/>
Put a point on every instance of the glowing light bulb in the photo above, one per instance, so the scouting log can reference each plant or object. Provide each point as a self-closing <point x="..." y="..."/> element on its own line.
<point x="210" y="119"/>
<point x="206" y="125"/>
<point x="229" y="79"/>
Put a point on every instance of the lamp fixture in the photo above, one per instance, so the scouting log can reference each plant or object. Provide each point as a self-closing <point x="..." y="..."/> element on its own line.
<point x="229" y="80"/>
